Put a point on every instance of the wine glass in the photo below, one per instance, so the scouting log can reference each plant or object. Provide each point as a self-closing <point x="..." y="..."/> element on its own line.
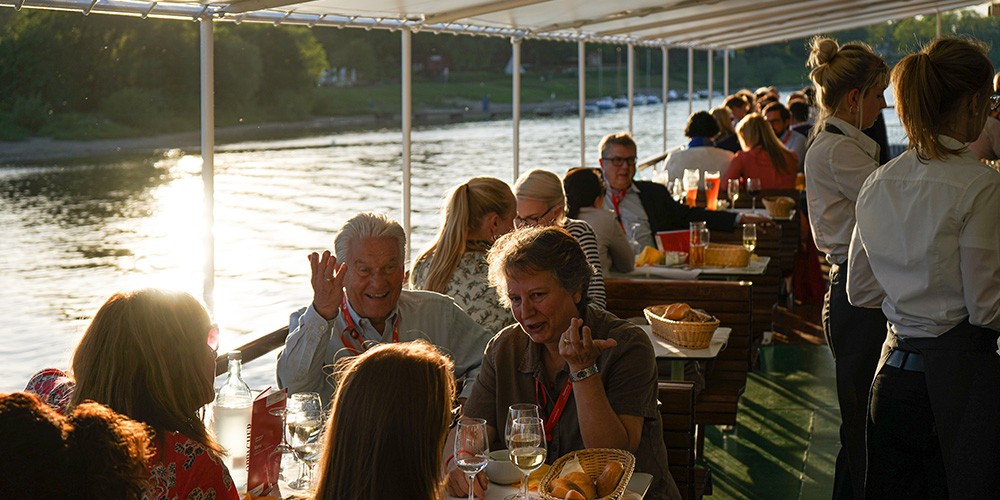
<point x="733" y="190"/>
<point x="526" y="445"/>
<point x="691" y="178"/>
<point x="283" y="447"/>
<point x="750" y="237"/>
<point x="677" y="190"/>
<point x="753" y="187"/>
<point x="305" y="425"/>
<point x="472" y="449"/>
<point x="516" y="411"/>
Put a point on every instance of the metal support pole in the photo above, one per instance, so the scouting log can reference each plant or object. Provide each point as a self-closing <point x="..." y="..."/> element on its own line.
<point x="516" y="104"/>
<point x="710" y="55"/>
<point x="666" y="97"/>
<point x="725" y="72"/>
<point x="690" y="81"/>
<point x="582" y="79"/>
<point x="406" y="115"/>
<point x="630" y="59"/>
<point x="937" y="24"/>
<point x="208" y="155"/>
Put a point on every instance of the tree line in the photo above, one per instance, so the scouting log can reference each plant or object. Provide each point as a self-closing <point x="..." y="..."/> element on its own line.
<point x="63" y="73"/>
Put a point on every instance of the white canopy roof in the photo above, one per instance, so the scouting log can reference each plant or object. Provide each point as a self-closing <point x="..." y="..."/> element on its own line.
<point x="703" y="24"/>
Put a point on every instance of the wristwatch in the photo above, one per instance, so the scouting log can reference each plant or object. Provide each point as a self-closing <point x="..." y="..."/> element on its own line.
<point x="584" y="373"/>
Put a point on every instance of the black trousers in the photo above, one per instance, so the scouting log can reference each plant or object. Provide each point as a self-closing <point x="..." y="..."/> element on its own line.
<point x="855" y="336"/>
<point x="904" y="453"/>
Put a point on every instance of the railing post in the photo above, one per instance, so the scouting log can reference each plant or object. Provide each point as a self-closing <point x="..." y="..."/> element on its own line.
<point x="516" y="103"/>
<point x="207" y="67"/>
<point x="406" y="114"/>
<point x="582" y="79"/>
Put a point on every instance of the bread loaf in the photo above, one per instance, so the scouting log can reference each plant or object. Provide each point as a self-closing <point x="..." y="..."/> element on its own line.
<point x="609" y="479"/>
<point x="676" y="311"/>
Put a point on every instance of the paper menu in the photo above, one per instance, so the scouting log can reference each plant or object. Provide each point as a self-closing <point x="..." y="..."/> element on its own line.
<point x="674" y="241"/>
<point x="263" y="462"/>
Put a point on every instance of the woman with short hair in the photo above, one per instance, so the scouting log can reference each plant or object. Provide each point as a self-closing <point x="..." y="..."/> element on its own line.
<point x="926" y="249"/>
<point x="475" y="214"/>
<point x="388" y="423"/>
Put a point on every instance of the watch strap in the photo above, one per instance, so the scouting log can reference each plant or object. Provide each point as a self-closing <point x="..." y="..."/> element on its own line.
<point x="584" y="373"/>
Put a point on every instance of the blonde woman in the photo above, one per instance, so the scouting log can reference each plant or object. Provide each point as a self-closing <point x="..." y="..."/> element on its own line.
<point x="726" y="139"/>
<point x="389" y="419"/>
<point x="147" y="355"/>
<point x="850" y="81"/>
<point x="927" y="250"/>
<point x="541" y="201"/>
<point x="475" y="214"/>
<point x="762" y="156"/>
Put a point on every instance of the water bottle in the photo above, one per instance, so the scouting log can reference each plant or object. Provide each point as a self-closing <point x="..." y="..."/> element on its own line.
<point x="232" y="418"/>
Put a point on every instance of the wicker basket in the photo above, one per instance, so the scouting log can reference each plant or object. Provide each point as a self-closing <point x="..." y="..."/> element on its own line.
<point x="693" y="335"/>
<point x="723" y="255"/>
<point x="593" y="461"/>
<point x="779" y="206"/>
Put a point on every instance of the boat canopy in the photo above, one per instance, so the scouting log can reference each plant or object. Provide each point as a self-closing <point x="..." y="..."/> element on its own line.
<point x="697" y="24"/>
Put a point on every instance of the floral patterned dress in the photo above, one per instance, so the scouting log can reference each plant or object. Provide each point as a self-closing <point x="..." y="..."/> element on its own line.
<point x="471" y="290"/>
<point x="183" y="469"/>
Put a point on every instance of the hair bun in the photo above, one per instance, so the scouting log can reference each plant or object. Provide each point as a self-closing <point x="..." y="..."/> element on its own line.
<point x="823" y="50"/>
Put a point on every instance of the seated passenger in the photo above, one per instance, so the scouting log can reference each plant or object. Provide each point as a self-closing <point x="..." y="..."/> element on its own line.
<point x="763" y="156"/>
<point x="726" y="138"/>
<point x="475" y="215"/>
<point x="987" y="146"/>
<point x="358" y="301"/>
<point x="146" y="354"/>
<point x="395" y="402"/>
<point x="92" y="454"/>
<point x="541" y="201"/>
<point x="585" y="190"/>
<point x="700" y="152"/>
<point x="562" y="345"/>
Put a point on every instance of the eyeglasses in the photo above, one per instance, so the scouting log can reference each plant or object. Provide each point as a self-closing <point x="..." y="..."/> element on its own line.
<point x="213" y="338"/>
<point x="621" y="160"/>
<point x="532" y="220"/>
<point x="994" y="102"/>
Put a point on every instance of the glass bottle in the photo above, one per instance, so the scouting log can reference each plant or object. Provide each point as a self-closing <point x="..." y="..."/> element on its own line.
<point x="233" y="404"/>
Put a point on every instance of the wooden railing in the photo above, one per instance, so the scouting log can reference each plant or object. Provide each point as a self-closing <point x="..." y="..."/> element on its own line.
<point x="255" y="348"/>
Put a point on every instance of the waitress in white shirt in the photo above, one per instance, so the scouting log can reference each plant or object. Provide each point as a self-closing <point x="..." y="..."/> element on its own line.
<point x="850" y="81"/>
<point x="927" y="233"/>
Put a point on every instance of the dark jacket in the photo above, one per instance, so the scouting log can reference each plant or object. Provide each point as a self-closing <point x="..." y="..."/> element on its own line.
<point x="665" y="214"/>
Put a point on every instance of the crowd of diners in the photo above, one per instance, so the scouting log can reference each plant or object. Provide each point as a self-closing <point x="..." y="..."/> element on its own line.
<point x="506" y="305"/>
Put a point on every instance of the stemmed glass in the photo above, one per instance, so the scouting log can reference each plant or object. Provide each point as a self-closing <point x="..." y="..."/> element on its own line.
<point x="733" y="190"/>
<point x="472" y="449"/>
<point x="305" y="424"/>
<point x="516" y="411"/>
<point x="753" y="187"/>
<point x="750" y="238"/>
<point x="526" y="445"/>
<point x="283" y="447"/>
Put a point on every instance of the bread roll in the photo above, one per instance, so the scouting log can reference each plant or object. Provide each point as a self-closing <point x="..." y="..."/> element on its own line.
<point x="609" y="479"/>
<point x="560" y="487"/>
<point x="676" y="312"/>
<point x="582" y="483"/>
<point x="574" y="495"/>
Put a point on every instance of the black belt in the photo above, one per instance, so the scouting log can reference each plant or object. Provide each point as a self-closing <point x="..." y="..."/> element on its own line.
<point x="909" y="361"/>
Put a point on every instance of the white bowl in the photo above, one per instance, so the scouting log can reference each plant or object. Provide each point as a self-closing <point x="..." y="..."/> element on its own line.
<point x="500" y="470"/>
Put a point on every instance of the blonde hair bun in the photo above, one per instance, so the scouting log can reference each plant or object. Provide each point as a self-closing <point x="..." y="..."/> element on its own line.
<point x="822" y="51"/>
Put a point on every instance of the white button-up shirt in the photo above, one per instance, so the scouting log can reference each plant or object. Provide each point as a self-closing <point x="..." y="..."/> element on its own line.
<point x="836" y="166"/>
<point x="928" y="232"/>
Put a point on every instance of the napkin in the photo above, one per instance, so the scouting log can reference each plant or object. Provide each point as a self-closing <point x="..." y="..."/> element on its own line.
<point x="673" y="273"/>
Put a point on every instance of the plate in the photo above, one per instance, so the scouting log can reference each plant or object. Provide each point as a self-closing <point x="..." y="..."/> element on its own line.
<point x="791" y="215"/>
<point x="757" y="266"/>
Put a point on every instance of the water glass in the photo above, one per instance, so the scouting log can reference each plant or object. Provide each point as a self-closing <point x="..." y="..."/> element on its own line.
<point x="305" y="426"/>
<point x="699" y="243"/>
<point x="472" y="449"/>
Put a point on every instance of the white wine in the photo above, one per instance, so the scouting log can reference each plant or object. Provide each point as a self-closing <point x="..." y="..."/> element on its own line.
<point x="750" y="244"/>
<point x="472" y="464"/>
<point x="308" y="452"/>
<point x="527" y="458"/>
<point x="305" y="430"/>
<point x="522" y="440"/>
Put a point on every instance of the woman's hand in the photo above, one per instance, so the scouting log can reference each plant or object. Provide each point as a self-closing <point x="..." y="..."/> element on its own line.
<point x="328" y="283"/>
<point x="457" y="483"/>
<point x="579" y="348"/>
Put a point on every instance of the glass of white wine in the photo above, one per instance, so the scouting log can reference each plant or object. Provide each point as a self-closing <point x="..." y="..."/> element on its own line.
<point x="305" y="426"/>
<point x="750" y="238"/>
<point x="472" y="449"/>
<point x="733" y="190"/>
<point x="527" y="448"/>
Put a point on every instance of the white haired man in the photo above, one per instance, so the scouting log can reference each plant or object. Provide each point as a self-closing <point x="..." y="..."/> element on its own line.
<point x="360" y="302"/>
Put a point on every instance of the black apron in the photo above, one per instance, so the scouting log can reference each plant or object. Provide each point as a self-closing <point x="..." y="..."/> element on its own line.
<point x="962" y="370"/>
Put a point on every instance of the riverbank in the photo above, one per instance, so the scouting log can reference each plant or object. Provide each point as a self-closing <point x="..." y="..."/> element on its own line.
<point x="43" y="149"/>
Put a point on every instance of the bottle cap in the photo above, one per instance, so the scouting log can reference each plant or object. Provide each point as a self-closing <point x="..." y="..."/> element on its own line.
<point x="234" y="355"/>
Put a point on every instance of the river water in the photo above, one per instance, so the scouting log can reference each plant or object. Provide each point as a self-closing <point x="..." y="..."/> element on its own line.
<point x="74" y="232"/>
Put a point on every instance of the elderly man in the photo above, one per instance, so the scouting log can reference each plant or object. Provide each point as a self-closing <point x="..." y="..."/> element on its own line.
<point x="781" y="121"/>
<point x="647" y="203"/>
<point x="360" y="302"/>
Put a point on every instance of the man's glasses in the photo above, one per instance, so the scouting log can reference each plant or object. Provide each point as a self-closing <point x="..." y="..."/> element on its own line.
<point x="621" y="160"/>
<point x="994" y="102"/>
<point x="532" y="220"/>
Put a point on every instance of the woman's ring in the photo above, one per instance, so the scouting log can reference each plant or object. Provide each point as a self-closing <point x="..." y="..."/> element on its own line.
<point x="566" y="341"/>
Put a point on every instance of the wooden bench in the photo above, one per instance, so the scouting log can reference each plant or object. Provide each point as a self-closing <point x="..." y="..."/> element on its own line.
<point x="677" y="411"/>
<point x="730" y="302"/>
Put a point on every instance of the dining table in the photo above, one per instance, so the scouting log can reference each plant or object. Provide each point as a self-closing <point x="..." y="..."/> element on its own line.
<point x="677" y="355"/>
<point x="636" y="489"/>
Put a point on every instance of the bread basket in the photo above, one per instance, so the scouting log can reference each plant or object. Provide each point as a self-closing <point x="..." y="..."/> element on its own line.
<point x="723" y="255"/>
<point x="693" y="335"/>
<point x="593" y="461"/>
<point x="779" y="206"/>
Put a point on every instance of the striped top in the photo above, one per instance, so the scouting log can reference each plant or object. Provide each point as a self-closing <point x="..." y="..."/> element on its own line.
<point x="585" y="235"/>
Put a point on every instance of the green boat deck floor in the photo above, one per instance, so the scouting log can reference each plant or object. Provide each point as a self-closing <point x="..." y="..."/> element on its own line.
<point x="786" y="440"/>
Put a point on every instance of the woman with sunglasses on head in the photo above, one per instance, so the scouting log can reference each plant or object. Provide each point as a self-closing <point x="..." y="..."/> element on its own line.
<point x="927" y="250"/>
<point x="850" y="80"/>
<point x="475" y="214"/>
<point x="541" y="201"/>
<point x="146" y="355"/>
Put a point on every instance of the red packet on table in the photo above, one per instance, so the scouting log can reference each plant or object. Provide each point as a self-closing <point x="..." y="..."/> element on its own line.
<point x="265" y="435"/>
<point x="674" y="241"/>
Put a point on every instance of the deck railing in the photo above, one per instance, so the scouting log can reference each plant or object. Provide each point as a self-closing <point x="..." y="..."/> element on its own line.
<point x="255" y="348"/>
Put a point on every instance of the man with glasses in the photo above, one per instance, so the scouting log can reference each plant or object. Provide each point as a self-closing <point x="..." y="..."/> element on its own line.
<point x="648" y="203"/>
<point x="359" y="301"/>
<point x="781" y="122"/>
<point x="987" y="146"/>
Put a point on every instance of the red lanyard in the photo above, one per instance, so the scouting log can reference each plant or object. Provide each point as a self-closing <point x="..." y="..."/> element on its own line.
<point x="788" y="135"/>
<point x="354" y="331"/>
<point x="616" y="199"/>
<point x="557" y="410"/>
